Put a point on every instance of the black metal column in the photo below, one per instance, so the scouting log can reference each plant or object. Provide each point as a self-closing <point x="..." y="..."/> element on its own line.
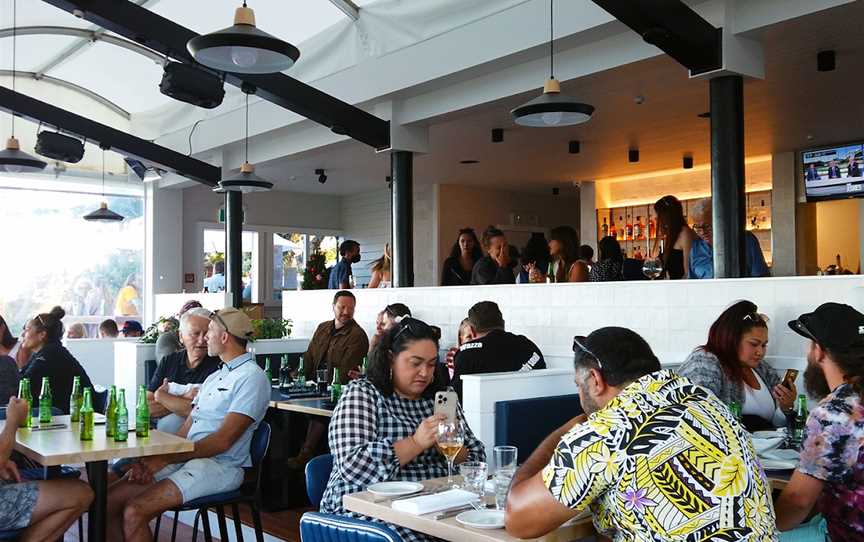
<point x="402" y="210"/>
<point x="728" y="200"/>
<point x="234" y="247"/>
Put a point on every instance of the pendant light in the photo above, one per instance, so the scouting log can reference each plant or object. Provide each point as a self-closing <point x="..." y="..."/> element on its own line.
<point x="243" y="48"/>
<point x="12" y="158"/>
<point x="552" y="108"/>
<point x="245" y="181"/>
<point x="103" y="213"/>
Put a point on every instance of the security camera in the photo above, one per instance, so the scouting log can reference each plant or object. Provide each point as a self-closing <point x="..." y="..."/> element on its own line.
<point x="322" y="177"/>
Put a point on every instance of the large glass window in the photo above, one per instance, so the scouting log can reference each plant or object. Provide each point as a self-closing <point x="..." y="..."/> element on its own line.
<point x="291" y="251"/>
<point x="54" y="257"/>
<point x="213" y="262"/>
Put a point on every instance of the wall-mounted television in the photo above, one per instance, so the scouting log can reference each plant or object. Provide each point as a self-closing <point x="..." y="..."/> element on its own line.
<point x="834" y="172"/>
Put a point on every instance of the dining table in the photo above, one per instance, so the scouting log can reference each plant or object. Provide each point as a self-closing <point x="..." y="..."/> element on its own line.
<point x="60" y="444"/>
<point x="449" y="528"/>
<point x="317" y="405"/>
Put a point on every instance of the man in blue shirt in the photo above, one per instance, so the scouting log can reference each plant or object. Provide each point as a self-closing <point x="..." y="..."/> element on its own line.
<point x="702" y="254"/>
<point x="340" y="275"/>
<point x="230" y="405"/>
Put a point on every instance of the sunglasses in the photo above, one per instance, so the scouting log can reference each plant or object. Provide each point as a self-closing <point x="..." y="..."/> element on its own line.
<point x="756" y="318"/>
<point x="579" y="346"/>
<point x="417" y="328"/>
<point x="215" y="316"/>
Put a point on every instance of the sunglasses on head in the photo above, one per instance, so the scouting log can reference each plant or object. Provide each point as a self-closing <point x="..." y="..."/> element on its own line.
<point x="579" y="347"/>
<point x="214" y="315"/>
<point x="417" y="328"/>
<point x="755" y="317"/>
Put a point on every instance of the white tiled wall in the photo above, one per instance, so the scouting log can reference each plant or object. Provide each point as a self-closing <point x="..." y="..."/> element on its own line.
<point x="674" y="317"/>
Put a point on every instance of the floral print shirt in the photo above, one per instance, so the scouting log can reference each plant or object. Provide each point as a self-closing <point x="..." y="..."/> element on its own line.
<point x="664" y="461"/>
<point x="834" y="453"/>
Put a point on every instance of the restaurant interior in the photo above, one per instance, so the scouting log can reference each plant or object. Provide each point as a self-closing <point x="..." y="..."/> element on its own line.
<point x="140" y="175"/>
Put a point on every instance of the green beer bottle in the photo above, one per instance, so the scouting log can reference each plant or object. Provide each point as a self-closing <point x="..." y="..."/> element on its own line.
<point x="335" y="387"/>
<point x="267" y="370"/>
<point x="86" y="418"/>
<point x="735" y="409"/>
<point x="24" y="395"/>
<point x="142" y="414"/>
<point x="75" y="400"/>
<point x="121" y="429"/>
<point x="800" y="425"/>
<point x="301" y="374"/>
<point x="46" y="401"/>
<point x="364" y="367"/>
<point x="111" y="412"/>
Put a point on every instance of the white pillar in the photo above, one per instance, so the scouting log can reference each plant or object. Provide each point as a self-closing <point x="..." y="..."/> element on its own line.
<point x="588" y="214"/>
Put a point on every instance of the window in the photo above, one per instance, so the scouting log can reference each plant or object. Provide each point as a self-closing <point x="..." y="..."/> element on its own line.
<point x="290" y="255"/>
<point x="213" y="262"/>
<point x="54" y="257"/>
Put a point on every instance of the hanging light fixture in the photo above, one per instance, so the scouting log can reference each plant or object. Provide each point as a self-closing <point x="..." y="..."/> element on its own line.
<point x="245" y="181"/>
<point x="103" y="213"/>
<point x="551" y="108"/>
<point x="242" y="48"/>
<point x="12" y="158"/>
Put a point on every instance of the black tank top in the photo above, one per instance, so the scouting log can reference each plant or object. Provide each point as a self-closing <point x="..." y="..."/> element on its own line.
<point x="675" y="264"/>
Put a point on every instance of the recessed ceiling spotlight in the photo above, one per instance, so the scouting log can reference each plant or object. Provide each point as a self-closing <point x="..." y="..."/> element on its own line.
<point x="633" y="155"/>
<point x="497" y="135"/>
<point x="573" y="147"/>
<point x="639" y="99"/>
<point x="810" y="137"/>
<point x="687" y="161"/>
<point x="469" y="161"/>
<point x="705" y="115"/>
<point x="826" y="61"/>
<point x="556" y="191"/>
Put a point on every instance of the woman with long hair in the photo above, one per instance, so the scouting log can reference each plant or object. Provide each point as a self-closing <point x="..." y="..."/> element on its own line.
<point x="677" y="237"/>
<point x="732" y="365"/>
<point x="465" y="253"/>
<point x="381" y="270"/>
<point x="610" y="262"/>
<point x="12" y="346"/>
<point x="564" y="262"/>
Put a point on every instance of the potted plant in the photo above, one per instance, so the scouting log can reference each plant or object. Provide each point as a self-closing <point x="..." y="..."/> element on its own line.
<point x="271" y="328"/>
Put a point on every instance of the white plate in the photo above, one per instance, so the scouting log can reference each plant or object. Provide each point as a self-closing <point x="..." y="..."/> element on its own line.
<point x="773" y="433"/>
<point x="482" y="519"/>
<point x="394" y="489"/>
<point x="778" y="464"/>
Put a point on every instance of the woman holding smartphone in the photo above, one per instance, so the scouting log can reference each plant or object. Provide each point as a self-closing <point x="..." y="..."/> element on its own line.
<point x="732" y="365"/>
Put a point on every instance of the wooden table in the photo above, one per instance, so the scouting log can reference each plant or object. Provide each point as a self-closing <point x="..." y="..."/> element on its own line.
<point x="449" y="529"/>
<point x="60" y="446"/>
<point x="316" y="406"/>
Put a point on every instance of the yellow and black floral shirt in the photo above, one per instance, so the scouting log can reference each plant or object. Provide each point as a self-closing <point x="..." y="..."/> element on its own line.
<point x="664" y="460"/>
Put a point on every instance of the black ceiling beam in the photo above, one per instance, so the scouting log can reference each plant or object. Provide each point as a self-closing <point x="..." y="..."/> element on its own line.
<point x="169" y="38"/>
<point x="133" y="147"/>
<point x="674" y="28"/>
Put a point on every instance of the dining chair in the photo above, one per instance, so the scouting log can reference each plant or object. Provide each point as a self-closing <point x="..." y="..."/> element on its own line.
<point x="248" y="493"/>
<point x="317" y="475"/>
<point x="318" y="527"/>
<point x="11" y="535"/>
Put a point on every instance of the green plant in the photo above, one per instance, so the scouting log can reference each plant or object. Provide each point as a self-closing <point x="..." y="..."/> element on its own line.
<point x="271" y="328"/>
<point x="151" y="334"/>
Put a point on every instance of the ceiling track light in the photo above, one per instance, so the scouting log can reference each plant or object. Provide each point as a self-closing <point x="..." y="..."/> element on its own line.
<point x="574" y="146"/>
<point x="12" y="158"/>
<point x="103" y="213"/>
<point x="322" y="175"/>
<point x="552" y="108"/>
<point x="243" y="48"/>
<point x="633" y="155"/>
<point x="246" y="180"/>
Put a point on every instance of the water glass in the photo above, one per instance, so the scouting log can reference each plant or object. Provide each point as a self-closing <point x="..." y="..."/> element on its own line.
<point x="474" y="476"/>
<point x="505" y="457"/>
<point x="321" y="375"/>
<point x="503" y="478"/>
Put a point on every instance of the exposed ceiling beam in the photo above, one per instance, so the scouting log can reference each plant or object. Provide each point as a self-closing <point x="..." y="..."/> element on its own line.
<point x="129" y="145"/>
<point x="72" y="86"/>
<point x="347" y="7"/>
<point x="674" y="28"/>
<point x="169" y="38"/>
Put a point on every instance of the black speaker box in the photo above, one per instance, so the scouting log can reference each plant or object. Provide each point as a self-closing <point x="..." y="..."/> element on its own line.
<point x="59" y="147"/>
<point x="192" y="85"/>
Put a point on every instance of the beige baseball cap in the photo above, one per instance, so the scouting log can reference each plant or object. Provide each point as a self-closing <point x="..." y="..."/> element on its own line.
<point x="235" y="321"/>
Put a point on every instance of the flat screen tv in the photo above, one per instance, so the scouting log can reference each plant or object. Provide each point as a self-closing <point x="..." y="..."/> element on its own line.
<point x="835" y="172"/>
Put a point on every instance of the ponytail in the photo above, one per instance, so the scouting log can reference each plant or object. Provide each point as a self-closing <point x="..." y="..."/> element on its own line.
<point x="51" y="323"/>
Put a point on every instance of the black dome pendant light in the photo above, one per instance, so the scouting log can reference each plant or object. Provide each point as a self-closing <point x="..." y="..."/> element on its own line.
<point x="103" y="213"/>
<point x="243" y="48"/>
<point x="552" y="109"/>
<point x="245" y="181"/>
<point x="12" y="158"/>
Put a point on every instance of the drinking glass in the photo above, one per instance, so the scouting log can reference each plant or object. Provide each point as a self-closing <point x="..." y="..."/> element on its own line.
<point x="474" y="476"/>
<point x="505" y="467"/>
<point x="652" y="268"/>
<point x="451" y="436"/>
<point x="321" y="375"/>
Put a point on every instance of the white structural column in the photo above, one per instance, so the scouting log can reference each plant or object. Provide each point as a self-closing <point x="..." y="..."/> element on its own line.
<point x="163" y="244"/>
<point x="588" y="214"/>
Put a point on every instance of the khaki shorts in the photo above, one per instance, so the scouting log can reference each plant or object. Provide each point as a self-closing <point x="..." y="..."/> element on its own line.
<point x="198" y="478"/>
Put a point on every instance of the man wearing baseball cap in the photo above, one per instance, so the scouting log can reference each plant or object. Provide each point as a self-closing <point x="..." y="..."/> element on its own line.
<point x="230" y="405"/>
<point x="830" y="475"/>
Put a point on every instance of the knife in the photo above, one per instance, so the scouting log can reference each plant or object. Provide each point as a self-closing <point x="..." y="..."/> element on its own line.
<point x="444" y="514"/>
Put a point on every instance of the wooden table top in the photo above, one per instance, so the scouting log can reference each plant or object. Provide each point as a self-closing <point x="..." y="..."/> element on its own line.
<point x="449" y="529"/>
<point x="316" y="406"/>
<point x="61" y="446"/>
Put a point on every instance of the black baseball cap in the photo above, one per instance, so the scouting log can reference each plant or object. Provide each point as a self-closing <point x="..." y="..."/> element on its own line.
<point x="832" y="325"/>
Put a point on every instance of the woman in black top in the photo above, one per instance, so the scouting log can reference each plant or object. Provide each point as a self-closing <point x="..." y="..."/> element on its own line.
<point x="465" y="253"/>
<point x="50" y="358"/>
<point x="610" y="261"/>
<point x="677" y="237"/>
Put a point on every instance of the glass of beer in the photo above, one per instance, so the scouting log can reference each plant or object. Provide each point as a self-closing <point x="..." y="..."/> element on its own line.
<point x="451" y="436"/>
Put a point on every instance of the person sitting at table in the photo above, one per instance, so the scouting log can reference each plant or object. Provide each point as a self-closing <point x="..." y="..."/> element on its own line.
<point x="830" y="476"/>
<point x="76" y="331"/>
<point x="496" y="267"/>
<point x="131" y="329"/>
<point x="169" y="341"/>
<point x="610" y="263"/>
<point x="108" y="329"/>
<point x="732" y="365"/>
<point x="42" y="336"/>
<point x="8" y="379"/>
<point x="657" y="458"/>
<point x="384" y="427"/>
<point x="44" y="509"/>
<point x="386" y="319"/>
<point x="491" y="349"/>
<point x="11" y="345"/>
<point x="339" y="343"/>
<point x="231" y="404"/>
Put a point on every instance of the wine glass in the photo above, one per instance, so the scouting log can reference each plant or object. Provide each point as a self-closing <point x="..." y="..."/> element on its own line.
<point x="652" y="268"/>
<point x="451" y="436"/>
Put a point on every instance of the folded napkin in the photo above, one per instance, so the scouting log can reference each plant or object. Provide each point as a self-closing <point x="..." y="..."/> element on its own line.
<point x="764" y="445"/>
<point x="427" y="504"/>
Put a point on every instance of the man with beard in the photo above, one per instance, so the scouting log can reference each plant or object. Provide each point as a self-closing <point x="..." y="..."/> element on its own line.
<point x="658" y="458"/>
<point x="830" y="476"/>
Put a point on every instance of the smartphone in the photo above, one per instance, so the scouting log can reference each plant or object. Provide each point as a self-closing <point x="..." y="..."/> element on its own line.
<point x="445" y="403"/>
<point x="789" y="378"/>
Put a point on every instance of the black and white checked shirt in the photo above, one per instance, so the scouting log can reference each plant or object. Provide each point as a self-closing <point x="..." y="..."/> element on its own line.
<point x="364" y="427"/>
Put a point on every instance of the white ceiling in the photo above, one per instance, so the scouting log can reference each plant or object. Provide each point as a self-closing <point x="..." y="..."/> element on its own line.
<point x="794" y="101"/>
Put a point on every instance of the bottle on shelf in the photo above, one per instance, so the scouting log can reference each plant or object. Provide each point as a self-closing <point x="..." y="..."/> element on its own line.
<point x="638" y="229"/>
<point x="613" y="231"/>
<point x="142" y="414"/>
<point x="85" y="423"/>
<point x="46" y="401"/>
<point x="622" y="234"/>
<point x="652" y="229"/>
<point x="550" y="272"/>
<point x="111" y="412"/>
<point x="25" y="395"/>
<point x="75" y="400"/>
<point x="628" y="229"/>
<point x="121" y="427"/>
<point x="604" y="228"/>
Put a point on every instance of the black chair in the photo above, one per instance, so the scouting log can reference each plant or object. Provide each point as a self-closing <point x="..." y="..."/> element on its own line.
<point x="11" y="535"/>
<point x="248" y="493"/>
<point x="517" y="422"/>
